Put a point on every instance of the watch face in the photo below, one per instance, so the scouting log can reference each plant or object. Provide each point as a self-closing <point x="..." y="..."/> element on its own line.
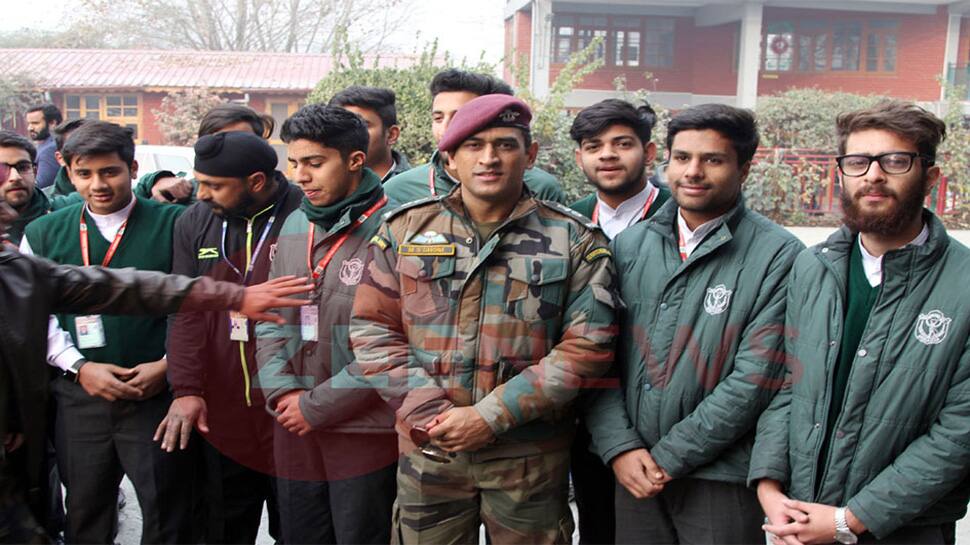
<point x="847" y="538"/>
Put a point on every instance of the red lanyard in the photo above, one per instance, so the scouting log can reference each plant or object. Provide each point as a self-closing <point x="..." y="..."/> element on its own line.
<point x="683" y="245"/>
<point x="317" y="271"/>
<point x="643" y="215"/>
<point x="434" y="192"/>
<point x="111" y="249"/>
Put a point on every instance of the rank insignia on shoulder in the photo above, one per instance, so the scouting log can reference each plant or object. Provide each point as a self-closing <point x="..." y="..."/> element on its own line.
<point x="379" y="241"/>
<point x="593" y="255"/>
<point x="426" y="249"/>
<point x="208" y="253"/>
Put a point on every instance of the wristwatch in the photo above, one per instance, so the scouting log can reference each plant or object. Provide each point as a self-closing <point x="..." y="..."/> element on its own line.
<point x="73" y="372"/>
<point x="842" y="532"/>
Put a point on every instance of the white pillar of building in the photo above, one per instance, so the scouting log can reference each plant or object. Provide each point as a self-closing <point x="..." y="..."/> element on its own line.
<point x="541" y="55"/>
<point x="749" y="54"/>
<point x="952" y="46"/>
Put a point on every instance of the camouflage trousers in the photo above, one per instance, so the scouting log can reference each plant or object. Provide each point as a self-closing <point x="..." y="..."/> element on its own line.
<point x="520" y="500"/>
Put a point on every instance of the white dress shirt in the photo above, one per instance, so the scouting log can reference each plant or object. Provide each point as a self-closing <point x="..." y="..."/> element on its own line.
<point x="614" y="221"/>
<point x="691" y="239"/>
<point x="61" y="352"/>
<point x="872" y="265"/>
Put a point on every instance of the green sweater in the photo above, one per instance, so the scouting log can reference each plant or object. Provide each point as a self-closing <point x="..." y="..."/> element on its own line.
<point x="146" y="245"/>
<point x="414" y="184"/>
<point x="860" y="298"/>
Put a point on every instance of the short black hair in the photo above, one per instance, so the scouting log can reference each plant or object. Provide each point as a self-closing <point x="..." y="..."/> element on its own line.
<point x="378" y="99"/>
<point x="52" y="114"/>
<point x="453" y="79"/>
<point x="9" y="139"/>
<point x="100" y="138"/>
<point x="329" y="126"/>
<point x="62" y="131"/>
<point x="736" y="124"/>
<point x="223" y="115"/>
<point x="593" y="120"/>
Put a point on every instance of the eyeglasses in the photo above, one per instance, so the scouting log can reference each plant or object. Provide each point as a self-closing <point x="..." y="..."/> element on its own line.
<point x="23" y="167"/>
<point x="895" y="162"/>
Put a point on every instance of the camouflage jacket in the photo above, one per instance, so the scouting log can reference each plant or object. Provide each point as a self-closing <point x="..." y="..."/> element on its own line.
<point x="515" y="325"/>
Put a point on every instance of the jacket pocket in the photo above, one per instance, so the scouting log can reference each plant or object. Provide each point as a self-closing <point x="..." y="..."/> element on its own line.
<point x="537" y="288"/>
<point x="425" y="283"/>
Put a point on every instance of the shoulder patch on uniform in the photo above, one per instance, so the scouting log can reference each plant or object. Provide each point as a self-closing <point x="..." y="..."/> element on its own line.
<point x="563" y="209"/>
<point x="597" y="253"/>
<point x="408" y="206"/>
<point x="380" y="242"/>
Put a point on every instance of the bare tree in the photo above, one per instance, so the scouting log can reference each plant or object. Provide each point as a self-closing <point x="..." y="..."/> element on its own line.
<point x="293" y="26"/>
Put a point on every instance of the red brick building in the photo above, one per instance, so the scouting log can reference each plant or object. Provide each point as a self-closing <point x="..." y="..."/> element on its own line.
<point x="125" y="86"/>
<point x="733" y="51"/>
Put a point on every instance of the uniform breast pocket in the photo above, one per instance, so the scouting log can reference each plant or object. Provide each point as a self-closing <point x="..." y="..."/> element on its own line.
<point x="426" y="283"/>
<point x="536" y="288"/>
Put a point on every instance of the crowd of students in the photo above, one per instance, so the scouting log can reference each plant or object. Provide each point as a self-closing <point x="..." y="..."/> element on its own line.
<point x="472" y="343"/>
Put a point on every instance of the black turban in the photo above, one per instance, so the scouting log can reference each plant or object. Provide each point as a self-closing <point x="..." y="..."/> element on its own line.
<point x="235" y="154"/>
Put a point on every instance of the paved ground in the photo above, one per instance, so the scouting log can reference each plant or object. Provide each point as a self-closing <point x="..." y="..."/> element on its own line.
<point x="131" y="516"/>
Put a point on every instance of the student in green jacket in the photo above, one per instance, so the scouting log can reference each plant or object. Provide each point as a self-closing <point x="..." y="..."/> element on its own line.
<point x="614" y="151"/>
<point x="376" y="106"/>
<point x="451" y="89"/>
<point x="869" y="440"/>
<point x="704" y="285"/>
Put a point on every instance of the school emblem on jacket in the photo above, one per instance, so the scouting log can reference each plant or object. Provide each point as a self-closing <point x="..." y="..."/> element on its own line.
<point x="932" y="327"/>
<point x="272" y="252"/>
<point x="350" y="271"/>
<point x="717" y="300"/>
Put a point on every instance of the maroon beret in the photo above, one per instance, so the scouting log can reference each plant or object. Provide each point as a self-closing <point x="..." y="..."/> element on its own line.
<point x="484" y="112"/>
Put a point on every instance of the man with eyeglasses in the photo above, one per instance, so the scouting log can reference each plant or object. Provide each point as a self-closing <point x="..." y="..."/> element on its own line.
<point x="867" y="440"/>
<point x="18" y="184"/>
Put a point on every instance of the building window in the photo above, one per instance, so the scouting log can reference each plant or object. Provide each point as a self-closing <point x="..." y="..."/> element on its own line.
<point x="846" y="40"/>
<point x="779" y="51"/>
<point x="121" y="109"/>
<point x="562" y="46"/>
<point x="881" y="46"/>
<point x="818" y="46"/>
<point x="627" y="41"/>
<point x="658" y="43"/>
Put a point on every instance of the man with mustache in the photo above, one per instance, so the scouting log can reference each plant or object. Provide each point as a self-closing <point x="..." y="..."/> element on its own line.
<point x="230" y="233"/>
<point x="703" y="280"/>
<point x="867" y="441"/>
<point x="18" y="186"/>
<point x="114" y="391"/>
<point x="41" y="120"/>
<point x="481" y="315"/>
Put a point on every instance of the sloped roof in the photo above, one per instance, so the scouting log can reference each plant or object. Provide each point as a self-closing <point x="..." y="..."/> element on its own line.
<point x="140" y="69"/>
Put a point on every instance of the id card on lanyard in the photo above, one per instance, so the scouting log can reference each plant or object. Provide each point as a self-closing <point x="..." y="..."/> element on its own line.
<point x="238" y="323"/>
<point x="309" y="316"/>
<point x="89" y="329"/>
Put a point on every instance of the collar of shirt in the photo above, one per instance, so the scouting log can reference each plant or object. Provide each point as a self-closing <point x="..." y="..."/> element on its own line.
<point x="109" y="224"/>
<point x="693" y="238"/>
<point x="390" y="172"/>
<point x="614" y="221"/>
<point x="872" y="265"/>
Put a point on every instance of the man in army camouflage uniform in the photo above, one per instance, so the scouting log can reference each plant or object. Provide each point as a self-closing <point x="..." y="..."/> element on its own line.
<point x="480" y="316"/>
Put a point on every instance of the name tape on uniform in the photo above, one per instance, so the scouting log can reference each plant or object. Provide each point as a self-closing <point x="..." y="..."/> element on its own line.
<point x="427" y="249"/>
